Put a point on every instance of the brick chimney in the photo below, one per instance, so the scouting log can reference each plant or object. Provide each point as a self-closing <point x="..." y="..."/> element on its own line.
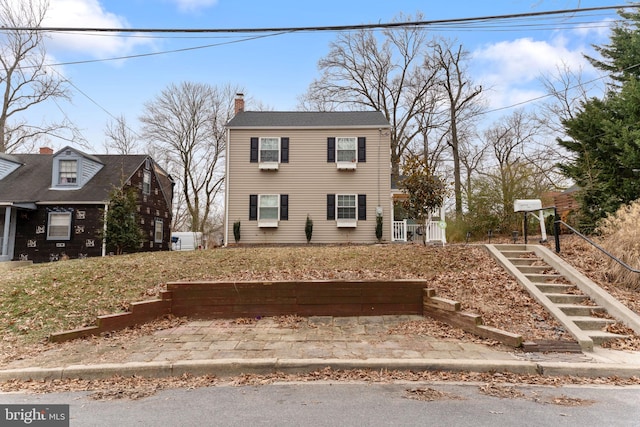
<point x="46" y="150"/>
<point x="239" y="106"/>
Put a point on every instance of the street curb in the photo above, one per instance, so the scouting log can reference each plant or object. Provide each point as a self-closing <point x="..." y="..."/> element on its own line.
<point x="233" y="367"/>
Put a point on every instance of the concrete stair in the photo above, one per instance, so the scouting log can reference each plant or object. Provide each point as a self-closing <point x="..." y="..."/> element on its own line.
<point x="580" y="305"/>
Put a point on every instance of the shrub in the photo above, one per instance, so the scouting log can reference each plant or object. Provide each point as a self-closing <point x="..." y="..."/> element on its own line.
<point x="379" y="227"/>
<point x="308" y="229"/>
<point x="621" y="237"/>
<point x="236" y="231"/>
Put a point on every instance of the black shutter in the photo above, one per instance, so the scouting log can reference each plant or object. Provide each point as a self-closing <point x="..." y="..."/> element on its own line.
<point x="362" y="207"/>
<point x="253" y="207"/>
<point x="331" y="206"/>
<point x="254" y="150"/>
<point x="362" y="149"/>
<point x="284" y="207"/>
<point x="331" y="150"/>
<point x="284" y="150"/>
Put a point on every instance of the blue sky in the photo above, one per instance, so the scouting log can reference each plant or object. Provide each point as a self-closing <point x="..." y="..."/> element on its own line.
<point x="276" y="70"/>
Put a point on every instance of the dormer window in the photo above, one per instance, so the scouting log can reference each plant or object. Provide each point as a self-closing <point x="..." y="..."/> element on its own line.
<point x="68" y="172"/>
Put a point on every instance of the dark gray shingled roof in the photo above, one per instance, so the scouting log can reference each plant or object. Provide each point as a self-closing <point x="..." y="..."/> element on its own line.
<point x="31" y="182"/>
<point x="293" y="119"/>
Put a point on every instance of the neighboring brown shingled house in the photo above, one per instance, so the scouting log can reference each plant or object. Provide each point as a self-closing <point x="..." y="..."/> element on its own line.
<point x="52" y="204"/>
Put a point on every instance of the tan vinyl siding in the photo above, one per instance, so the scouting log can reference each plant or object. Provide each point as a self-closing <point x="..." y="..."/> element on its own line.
<point x="307" y="179"/>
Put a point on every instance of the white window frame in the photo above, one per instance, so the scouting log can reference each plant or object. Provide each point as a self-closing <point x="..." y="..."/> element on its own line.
<point x="350" y="163"/>
<point x="346" y="222"/>
<point x="269" y="164"/>
<point x="158" y="231"/>
<point x="268" y="222"/>
<point x="63" y="181"/>
<point x="146" y="182"/>
<point x="60" y="217"/>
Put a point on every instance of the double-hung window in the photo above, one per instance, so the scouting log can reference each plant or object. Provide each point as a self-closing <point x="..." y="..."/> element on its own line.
<point x="346" y="206"/>
<point x="68" y="172"/>
<point x="269" y="152"/>
<point x="158" y="233"/>
<point x="59" y="226"/>
<point x="346" y="151"/>
<point x="347" y="209"/>
<point x="267" y="209"/>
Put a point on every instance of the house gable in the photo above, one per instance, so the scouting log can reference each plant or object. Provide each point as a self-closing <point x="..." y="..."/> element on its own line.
<point x="8" y="164"/>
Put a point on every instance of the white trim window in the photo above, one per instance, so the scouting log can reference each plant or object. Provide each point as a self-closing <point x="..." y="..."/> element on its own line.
<point x="346" y="206"/>
<point x="268" y="210"/>
<point x="146" y="182"/>
<point x="269" y="149"/>
<point x="346" y="210"/>
<point x="67" y="172"/>
<point x="346" y="149"/>
<point x="158" y="233"/>
<point x="59" y="226"/>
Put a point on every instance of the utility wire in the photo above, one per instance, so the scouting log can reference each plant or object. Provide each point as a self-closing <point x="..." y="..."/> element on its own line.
<point x="423" y="23"/>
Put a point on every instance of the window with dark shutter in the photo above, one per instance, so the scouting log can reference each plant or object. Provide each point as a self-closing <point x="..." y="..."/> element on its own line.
<point x="254" y="150"/>
<point x="253" y="207"/>
<point x="362" y="149"/>
<point x="284" y="207"/>
<point x="362" y="207"/>
<point x="284" y="150"/>
<point x="331" y="206"/>
<point x="331" y="150"/>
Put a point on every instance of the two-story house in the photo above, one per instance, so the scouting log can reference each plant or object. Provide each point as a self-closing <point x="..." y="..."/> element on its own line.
<point x="332" y="167"/>
<point x="52" y="205"/>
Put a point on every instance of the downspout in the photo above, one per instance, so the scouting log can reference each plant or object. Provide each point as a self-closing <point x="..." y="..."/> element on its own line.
<point x="226" y="191"/>
<point x="104" y="230"/>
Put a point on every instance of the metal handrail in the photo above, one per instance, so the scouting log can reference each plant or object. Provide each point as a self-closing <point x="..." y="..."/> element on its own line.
<point x="557" y="223"/>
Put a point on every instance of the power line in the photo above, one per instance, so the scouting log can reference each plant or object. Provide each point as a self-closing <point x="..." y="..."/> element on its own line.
<point x="423" y="23"/>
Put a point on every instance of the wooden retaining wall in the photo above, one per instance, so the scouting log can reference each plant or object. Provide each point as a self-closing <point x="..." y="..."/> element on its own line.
<point x="211" y="300"/>
<point x="304" y="298"/>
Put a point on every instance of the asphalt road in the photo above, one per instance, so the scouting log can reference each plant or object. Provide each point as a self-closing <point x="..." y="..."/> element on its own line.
<point x="341" y="404"/>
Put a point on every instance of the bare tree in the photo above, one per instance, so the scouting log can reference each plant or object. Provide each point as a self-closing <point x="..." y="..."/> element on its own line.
<point x="567" y="91"/>
<point x="462" y="103"/>
<point x="119" y="136"/>
<point x="186" y="124"/>
<point x="516" y="170"/>
<point x="392" y="76"/>
<point x="25" y="79"/>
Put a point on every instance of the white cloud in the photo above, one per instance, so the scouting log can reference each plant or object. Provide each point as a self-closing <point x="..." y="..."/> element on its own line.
<point x="193" y="5"/>
<point x="89" y="14"/>
<point x="511" y="69"/>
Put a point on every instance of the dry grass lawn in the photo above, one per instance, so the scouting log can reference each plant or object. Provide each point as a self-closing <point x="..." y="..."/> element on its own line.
<point x="39" y="300"/>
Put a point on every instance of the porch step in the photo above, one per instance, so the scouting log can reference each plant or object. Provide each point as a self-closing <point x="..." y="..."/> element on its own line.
<point x="522" y="261"/>
<point x="590" y="323"/>
<point x="567" y="298"/>
<point x="543" y="278"/>
<point x="600" y="337"/>
<point x="580" y="310"/>
<point x="554" y="288"/>
<point x="565" y="295"/>
<point x="535" y="269"/>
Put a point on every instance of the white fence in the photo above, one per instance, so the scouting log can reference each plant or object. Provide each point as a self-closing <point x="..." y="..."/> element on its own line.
<point x="404" y="232"/>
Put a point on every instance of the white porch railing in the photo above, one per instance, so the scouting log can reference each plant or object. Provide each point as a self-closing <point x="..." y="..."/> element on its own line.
<point x="404" y="232"/>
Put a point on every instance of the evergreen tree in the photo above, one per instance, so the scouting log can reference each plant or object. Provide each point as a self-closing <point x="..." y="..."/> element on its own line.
<point x="604" y="136"/>
<point x="122" y="231"/>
